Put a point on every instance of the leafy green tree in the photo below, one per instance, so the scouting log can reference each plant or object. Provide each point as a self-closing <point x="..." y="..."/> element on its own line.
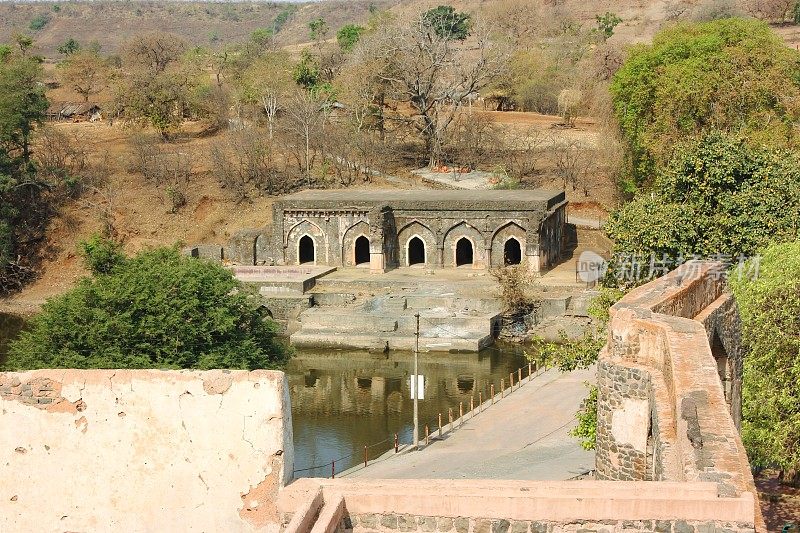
<point x="262" y="37"/>
<point x="348" y="35"/>
<point x="718" y="195"/>
<point x="162" y="82"/>
<point x="586" y="430"/>
<point x="447" y="23"/>
<point x="306" y="72"/>
<point x="318" y="29"/>
<point x="572" y="354"/>
<point x="159" y="309"/>
<point x="733" y="75"/>
<point x="22" y="107"/>
<point x="69" y="47"/>
<point x="769" y="306"/>
<point x="606" y="23"/>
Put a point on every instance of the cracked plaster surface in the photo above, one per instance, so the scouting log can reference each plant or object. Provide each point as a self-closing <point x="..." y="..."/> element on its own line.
<point x="146" y="452"/>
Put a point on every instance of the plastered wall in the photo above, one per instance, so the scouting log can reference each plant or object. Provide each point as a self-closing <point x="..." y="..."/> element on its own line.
<point x="143" y="450"/>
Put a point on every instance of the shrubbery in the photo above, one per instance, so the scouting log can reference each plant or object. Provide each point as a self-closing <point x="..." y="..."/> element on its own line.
<point x="717" y="196"/>
<point x="159" y="309"/>
<point x="769" y="305"/>
<point x="731" y="74"/>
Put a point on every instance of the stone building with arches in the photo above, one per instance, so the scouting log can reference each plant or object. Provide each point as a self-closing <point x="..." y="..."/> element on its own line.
<point x="385" y="229"/>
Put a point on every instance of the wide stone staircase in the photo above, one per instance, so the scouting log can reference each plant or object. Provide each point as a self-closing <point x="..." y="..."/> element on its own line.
<point x="389" y="322"/>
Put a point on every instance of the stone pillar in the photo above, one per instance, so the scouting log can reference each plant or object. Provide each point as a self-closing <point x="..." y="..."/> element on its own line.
<point x="533" y="258"/>
<point x="438" y="257"/>
<point x="487" y="255"/>
<point x="377" y="262"/>
<point x="623" y="422"/>
<point x="278" y="242"/>
<point x="377" y="241"/>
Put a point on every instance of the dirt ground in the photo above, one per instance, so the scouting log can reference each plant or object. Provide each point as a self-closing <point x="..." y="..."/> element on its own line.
<point x="142" y="218"/>
<point x="780" y="504"/>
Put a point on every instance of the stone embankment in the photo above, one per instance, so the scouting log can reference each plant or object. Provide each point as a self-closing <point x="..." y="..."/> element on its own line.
<point x="669" y="381"/>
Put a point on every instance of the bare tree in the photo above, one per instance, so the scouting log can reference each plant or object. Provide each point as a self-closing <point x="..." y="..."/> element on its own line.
<point x="525" y="152"/>
<point x="569" y="101"/>
<point x="433" y="73"/>
<point x="304" y="120"/>
<point x="154" y="51"/>
<point x="60" y="155"/>
<point x="266" y="83"/>
<point x="85" y="72"/>
<point x="572" y="161"/>
<point x="167" y="166"/>
<point x="243" y="163"/>
<point x="770" y="10"/>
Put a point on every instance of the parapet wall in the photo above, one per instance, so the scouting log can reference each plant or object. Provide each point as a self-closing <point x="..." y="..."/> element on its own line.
<point x="143" y="450"/>
<point x="669" y="385"/>
<point x="498" y="506"/>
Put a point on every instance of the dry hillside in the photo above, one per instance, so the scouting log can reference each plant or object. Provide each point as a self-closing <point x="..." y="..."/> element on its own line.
<point x="139" y="209"/>
<point x="110" y="23"/>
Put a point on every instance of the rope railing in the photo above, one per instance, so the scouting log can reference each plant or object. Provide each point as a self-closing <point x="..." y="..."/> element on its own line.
<point x="515" y="381"/>
<point x="533" y="370"/>
<point x="332" y="463"/>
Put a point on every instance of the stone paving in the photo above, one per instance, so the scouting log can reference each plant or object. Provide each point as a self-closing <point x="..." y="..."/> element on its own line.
<point x="523" y="436"/>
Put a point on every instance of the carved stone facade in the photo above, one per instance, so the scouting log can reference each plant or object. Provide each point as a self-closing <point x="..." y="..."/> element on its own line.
<point x="435" y="229"/>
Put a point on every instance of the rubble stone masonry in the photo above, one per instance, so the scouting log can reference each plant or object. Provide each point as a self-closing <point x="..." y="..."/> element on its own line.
<point x="669" y="385"/>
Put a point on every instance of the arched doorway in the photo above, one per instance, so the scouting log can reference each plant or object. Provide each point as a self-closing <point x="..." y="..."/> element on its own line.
<point x="464" y="252"/>
<point x="305" y="250"/>
<point x="362" y="250"/>
<point x="416" y="251"/>
<point x="512" y="252"/>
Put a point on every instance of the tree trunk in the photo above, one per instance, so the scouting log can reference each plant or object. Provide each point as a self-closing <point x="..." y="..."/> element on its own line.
<point x="790" y="477"/>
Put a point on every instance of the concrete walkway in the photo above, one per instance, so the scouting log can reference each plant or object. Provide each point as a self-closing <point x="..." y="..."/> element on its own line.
<point x="523" y="436"/>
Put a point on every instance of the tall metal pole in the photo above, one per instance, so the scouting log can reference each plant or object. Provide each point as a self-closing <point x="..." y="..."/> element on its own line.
<point x="416" y="386"/>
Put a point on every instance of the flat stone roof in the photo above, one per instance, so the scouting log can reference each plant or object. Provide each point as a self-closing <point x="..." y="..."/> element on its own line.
<point x="427" y="199"/>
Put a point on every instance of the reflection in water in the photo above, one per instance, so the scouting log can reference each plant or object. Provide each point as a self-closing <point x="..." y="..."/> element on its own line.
<point x="343" y="400"/>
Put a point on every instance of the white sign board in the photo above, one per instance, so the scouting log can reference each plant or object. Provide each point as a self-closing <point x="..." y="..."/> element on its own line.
<point x="419" y="382"/>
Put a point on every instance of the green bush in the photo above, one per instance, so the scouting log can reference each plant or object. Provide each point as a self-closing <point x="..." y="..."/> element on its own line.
<point x="159" y="309"/>
<point x="39" y="21"/>
<point x="769" y="306"/>
<point x="606" y="23"/>
<point x="586" y="430"/>
<point x="717" y="196"/>
<point x="447" y="23"/>
<point x="348" y="35"/>
<point x="101" y="255"/>
<point x="568" y="355"/>
<point x="731" y="74"/>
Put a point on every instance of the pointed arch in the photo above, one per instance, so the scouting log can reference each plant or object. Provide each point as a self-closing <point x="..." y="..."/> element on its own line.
<point x="423" y="233"/>
<point x="306" y="228"/>
<point x="351" y="235"/>
<point x="501" y="236"/>
<point x="454" y="236"/>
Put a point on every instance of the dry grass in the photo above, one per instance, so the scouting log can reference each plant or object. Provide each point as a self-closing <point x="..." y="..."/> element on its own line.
<point x="111" y="23"/>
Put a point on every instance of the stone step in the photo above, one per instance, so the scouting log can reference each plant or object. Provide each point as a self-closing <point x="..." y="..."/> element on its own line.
<point x="333" y="320"/>
<point x="387" y="341"/>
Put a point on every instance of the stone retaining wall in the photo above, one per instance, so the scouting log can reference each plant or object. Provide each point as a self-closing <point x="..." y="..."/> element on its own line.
<point x="391" y="523"/>
<point x="669" y="385"/>
<point x="504" y="506"/>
